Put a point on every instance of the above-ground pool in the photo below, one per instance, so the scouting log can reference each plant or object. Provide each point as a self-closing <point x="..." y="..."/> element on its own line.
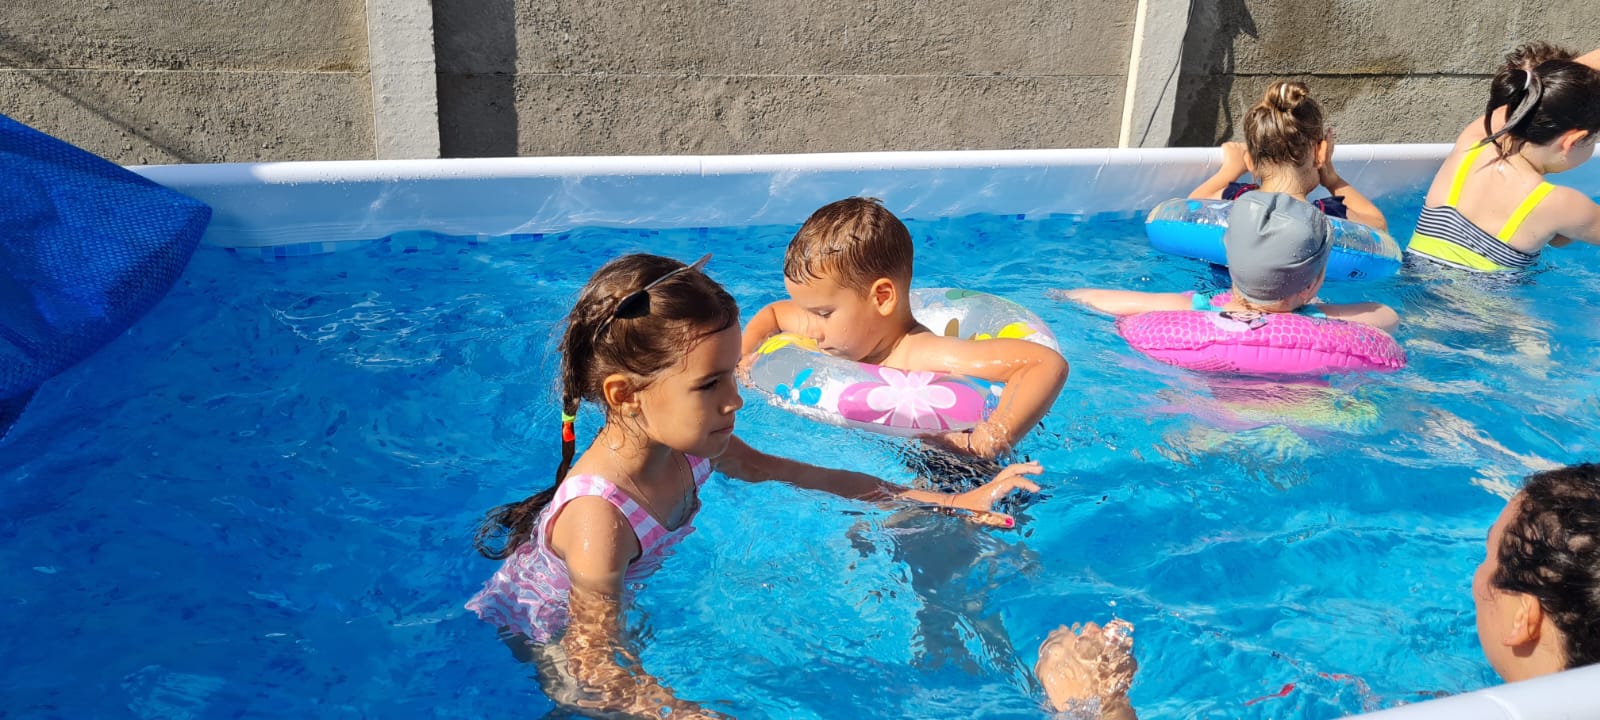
<point x="260" y="501"/>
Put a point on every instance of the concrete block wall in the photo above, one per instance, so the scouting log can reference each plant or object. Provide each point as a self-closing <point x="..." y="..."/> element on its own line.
<point x="1386" y="71"/>
<point x="166" y="81"/>
<point x="575" y="77"/>
<point x="173" y="81"/>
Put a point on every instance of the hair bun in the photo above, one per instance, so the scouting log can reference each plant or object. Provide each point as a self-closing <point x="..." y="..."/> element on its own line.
<point x="1286" y="97"/>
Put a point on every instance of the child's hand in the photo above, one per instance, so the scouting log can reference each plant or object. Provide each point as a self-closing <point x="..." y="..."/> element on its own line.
<point x="743" y="370"/>
<point x="1235" y="159"/>
<point x="1326" y="175"/>
<point x="1088" y="666"/>
<point x="981" y="501"/>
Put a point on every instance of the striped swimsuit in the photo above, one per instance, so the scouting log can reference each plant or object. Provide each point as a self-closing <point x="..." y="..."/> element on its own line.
<point x="1446" y="236"/>
<point x="528" y="594"/>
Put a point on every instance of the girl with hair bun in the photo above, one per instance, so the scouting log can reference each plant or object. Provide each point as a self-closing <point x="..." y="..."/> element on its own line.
<point x="1288" y="150"/>
<point x="1489" y="208"/>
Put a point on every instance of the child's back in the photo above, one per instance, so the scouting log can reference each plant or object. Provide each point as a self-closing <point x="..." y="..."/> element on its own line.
<point x="1543" y="113"/>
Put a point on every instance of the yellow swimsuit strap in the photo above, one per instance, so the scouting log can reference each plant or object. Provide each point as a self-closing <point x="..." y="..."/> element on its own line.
<point x="1460" y="181"/>
<point x="1528" y="204"/>
<point x="1515" y="221"/>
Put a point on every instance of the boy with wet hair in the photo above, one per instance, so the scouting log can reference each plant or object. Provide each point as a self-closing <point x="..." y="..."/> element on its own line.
<point x="848" y="273"/>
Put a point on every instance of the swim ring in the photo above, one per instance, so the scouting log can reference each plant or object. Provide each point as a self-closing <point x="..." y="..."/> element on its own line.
<point x="1194" y="228"/>
<point x="798" y="377"/>
<point x="1270" y="344"/>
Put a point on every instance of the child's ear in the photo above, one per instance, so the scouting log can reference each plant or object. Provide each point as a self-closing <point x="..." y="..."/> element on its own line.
<point x="620" y="394"/>
<point x="884" y="296"/>
<point x="1527" y="622"/>
<point x="1572" y="139"/>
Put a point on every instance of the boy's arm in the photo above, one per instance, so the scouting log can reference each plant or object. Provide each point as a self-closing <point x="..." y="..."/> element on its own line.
<point x="1033" y="375"/>
<point x="742" y="462"/>
<point x="1126" y="302"/>
<point x="1233" y="168"/>
<point x="781" y="316"/>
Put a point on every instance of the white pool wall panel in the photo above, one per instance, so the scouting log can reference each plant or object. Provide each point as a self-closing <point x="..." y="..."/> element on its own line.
<point x="260" y="205"/>
<point x="1571" y="695"/>
<point x="265" y="204"/>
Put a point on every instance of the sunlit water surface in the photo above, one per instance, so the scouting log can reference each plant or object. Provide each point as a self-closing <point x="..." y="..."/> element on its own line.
<point x="260" y="501"/>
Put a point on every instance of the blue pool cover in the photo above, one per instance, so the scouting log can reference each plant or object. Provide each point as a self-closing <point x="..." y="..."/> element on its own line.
<point x="86" y="248"/>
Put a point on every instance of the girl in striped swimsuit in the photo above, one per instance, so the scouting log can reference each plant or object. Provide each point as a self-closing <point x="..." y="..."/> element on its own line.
<point x="655" y="344"/>
<point x="1544" y="111"/>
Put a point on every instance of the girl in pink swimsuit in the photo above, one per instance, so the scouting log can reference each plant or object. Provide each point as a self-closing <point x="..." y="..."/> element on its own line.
<point x="655" y="344"/>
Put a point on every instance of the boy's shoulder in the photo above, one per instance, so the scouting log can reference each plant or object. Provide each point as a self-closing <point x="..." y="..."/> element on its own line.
<point x="933" y="352"/>
<point x="924" y="351"/>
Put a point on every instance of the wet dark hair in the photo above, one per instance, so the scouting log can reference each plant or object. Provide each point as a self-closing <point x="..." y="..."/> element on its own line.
<point x="1545" y="93"/>
<point x="1285" y="127"/>
<point x="600" y="342"/>
<point x="1551" y="550"/>
<point x="855" y="240"/>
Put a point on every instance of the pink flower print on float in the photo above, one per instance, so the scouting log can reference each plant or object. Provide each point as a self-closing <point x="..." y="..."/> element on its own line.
<point x="916" y="400"/>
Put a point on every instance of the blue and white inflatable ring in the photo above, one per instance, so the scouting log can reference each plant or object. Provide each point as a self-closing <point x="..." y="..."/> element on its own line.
<point x="1194" y="228"/>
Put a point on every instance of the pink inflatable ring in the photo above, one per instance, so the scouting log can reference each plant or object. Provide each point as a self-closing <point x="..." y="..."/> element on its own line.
<point x="1249" y="343"/>
<point x="799" y="378"/>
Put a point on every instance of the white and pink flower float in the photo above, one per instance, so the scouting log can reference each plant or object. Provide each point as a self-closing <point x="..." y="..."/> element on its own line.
<point x="798" y="377"/>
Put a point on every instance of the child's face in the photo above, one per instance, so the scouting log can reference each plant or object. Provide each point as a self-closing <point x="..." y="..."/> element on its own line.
<point x="690" y="407"/>
<point x="1496" y="608"/>
<point x="845" y="322"/>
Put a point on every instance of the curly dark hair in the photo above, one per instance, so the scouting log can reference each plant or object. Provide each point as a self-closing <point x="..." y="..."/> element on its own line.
<point x="1551" y="550"/>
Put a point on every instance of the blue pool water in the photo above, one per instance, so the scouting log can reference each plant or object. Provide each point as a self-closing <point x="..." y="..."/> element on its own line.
<point x="259" y="502"/>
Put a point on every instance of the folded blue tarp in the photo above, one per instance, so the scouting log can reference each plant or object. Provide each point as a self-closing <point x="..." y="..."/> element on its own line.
<point x="86" y="248"/>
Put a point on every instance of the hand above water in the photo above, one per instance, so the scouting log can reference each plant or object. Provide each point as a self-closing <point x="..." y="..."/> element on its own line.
<point x="1235" y="159"/>
<point x="981" y="502"/>
<point x="1326" y="175"/>
<point x="1086" y="669"/>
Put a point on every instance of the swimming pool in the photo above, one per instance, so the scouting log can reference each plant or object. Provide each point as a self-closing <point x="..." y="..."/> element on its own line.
<point x="260" y="500"/>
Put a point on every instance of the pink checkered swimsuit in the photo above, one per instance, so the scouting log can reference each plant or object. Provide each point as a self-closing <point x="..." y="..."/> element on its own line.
<point x="528" y="594"/>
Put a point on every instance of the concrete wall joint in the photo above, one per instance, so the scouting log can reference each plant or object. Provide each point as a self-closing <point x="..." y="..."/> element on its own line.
<point x="405" y="87"/>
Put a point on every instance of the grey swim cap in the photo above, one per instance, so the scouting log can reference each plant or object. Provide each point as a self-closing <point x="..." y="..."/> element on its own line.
<point x="1277" y="245"/>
